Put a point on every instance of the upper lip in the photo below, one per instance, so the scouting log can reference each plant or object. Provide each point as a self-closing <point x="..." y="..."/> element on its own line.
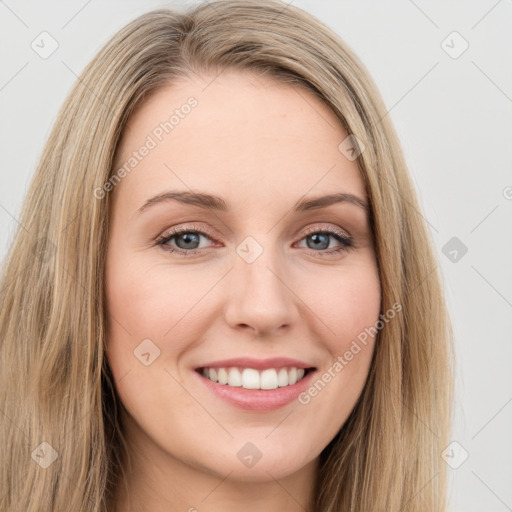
<point x="257" y="364"/>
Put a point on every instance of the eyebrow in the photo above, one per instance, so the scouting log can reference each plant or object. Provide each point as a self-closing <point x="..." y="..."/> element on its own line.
<point x="216" y="203"/>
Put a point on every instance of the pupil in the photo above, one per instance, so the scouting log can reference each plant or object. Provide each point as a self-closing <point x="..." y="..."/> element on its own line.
<point x="187" y="237"/>
<point x="318" y="242"/>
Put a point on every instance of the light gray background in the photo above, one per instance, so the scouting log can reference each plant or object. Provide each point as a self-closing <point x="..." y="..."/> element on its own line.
<point x="454" y="118"/>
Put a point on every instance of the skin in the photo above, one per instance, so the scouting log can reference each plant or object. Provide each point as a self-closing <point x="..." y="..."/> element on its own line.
<point x="262" y="146"/>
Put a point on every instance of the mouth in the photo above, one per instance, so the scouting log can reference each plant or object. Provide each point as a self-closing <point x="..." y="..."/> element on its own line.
<point x="255" y="384"/>
<point x="252" y="378"/>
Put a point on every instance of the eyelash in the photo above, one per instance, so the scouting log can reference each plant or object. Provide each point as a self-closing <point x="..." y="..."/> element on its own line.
<point x="347" y="243"/>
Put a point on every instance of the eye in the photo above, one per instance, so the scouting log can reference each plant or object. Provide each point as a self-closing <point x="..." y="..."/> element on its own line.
<point x="319" y="240"/>
<point x="186" y="241"/>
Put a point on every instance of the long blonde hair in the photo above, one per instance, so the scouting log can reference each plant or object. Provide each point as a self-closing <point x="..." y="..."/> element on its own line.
<point x="55" y="385"/>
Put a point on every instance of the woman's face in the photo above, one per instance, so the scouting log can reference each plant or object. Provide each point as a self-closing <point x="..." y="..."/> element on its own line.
<point x="250" y="286"/>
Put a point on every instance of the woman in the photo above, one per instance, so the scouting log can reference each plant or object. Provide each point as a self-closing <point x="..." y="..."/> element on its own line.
<point x="297" y="358"/>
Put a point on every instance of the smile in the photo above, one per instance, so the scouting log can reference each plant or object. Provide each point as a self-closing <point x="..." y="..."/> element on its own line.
<point x="251" y="378"/>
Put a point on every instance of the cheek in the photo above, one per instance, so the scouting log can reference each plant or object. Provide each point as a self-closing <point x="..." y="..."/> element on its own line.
<point x="147" y="298"/>
<point x="146" y="315"/>
<point x="348" y="307"/>
<point x="346" y="303"/>
<point x="151" y="301"/>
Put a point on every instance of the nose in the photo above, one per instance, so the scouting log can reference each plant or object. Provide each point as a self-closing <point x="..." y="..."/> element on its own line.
<point x="260" y="296"/>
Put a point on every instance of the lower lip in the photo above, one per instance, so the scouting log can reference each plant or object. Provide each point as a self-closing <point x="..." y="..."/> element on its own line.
<point x="258" y="399"/>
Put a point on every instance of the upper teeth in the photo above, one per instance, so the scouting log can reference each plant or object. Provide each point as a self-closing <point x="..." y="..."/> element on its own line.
<point x="249" y="378"/>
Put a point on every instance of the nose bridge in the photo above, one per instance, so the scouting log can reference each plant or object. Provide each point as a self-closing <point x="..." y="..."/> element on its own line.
<point x="258" y="295"/>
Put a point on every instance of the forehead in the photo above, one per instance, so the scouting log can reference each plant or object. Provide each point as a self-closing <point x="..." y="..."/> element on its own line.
<point x="248" y="138"/>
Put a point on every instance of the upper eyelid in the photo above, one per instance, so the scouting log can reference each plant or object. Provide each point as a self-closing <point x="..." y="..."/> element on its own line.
<point x="315" y="229"/>
<point x="176" y="231"/>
